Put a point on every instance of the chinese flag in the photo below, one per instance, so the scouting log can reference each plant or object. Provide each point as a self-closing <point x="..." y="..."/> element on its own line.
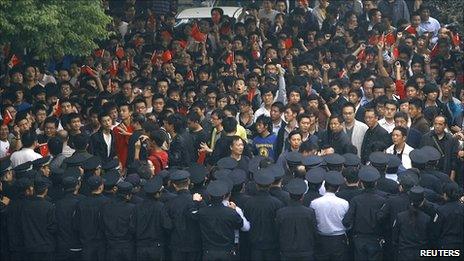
<point x="361" y="55"/>
<point x="87" y="70"/>
<point x="410" y="29"/>
<point x="166" y="56"/>
<point x="374" y="39"/>
<point x="14" y="61"/>
<point x="57" y="109"/>
<point x="197" y="35"/>
<point x="100" y="52"/>
<point x="201" y="157"/>
<point x="456" y="39"/>
<point x="43" y="148"/>
<point x="390" y="38"/>
<point x="256" y="54"/>
<point x="113" y="68"/>
<point x="230" y="59"/>
<point x="7" y="118"/>
<point x="120" y="52"/>
<point x="435" y="51"/>
<point x="396" y="53"/>
<point x="183" y="43"/>
<point x="288" y="43"/>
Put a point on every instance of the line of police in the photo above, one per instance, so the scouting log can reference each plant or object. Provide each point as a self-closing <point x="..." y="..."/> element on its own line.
<point x="266" y="212"/>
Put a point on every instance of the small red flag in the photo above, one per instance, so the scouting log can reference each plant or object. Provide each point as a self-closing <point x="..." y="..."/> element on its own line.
<point x="120" y="52"/>
<point x="374" y="39"/>
<point x="197" y="35"/>
<point x="230" y="59"/>
<point x="113" y="68"/>
<point x="288" y="43"/>
<point x="390" y="38"/>
<point x="14" y="61"/>
<point x="456" y="39"/>
<point x="435" y="51"/>
<point x="57" y="109"/>
<point x="99" y="52"/>
<point x="411" y="29"/>
<point x="256" y="55"/>
<point x="183" y="43"/>
<point x="43" y="149"/>
<point x="361" y="55"/>
<point x="167" y="56"/>
<point x="396" y="53"/>
<point x="7" y="118"/>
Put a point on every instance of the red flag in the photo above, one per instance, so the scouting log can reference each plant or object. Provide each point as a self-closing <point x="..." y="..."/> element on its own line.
<point x="411" y="29"/>
<point x="111" y="85"/>
<point x="57" y="109"/>
<point x="456" y="39"/>
<point x="197" y="35"/>
<point x="190" y="76"/>
<point x="256" y="55"/>
<point x="395" y="53"/>
<point x="14" y="61"/>
<point x="43" y="149"/>
<point x="288" y="43"/>
<point x="230" y="59"/>
<point x="7" y="118"/>
<point x="99" y="52"/>
<point x="390" y="38"/>
<point x="120" y="52"/>
<point x="361" y="55"/>
<point x="183" y="43"/>
<point x="374" y="39"/>
<point x="435" y="51"/>
<point x="87" y="70"/>
<point x="166" y="56"/>
<point x="113" y="68"/>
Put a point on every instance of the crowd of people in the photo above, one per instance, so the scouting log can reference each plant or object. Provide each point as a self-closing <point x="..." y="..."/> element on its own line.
<point x="299" y="130"/>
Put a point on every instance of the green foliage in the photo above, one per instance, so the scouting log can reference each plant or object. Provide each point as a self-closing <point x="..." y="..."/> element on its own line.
<point x="53" y="28"/>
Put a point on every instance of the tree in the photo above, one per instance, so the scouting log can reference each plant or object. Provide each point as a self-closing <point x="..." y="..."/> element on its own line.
<point x="53" y="28"/>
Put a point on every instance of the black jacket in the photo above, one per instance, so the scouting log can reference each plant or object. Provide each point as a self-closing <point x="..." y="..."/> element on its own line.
<point x="448" y="147"/>
<point x="338" y="141"/>
<point x="180" y="151"/>
<point x="411" y="236"/>
<point x="387" y="185"/>
<point x="185" y="234"/>
<point x="296" y="227"/>
<point x="217" y="225"/>
<point x="38" y="222"/>
<point x="98" y="147"/>
<point x="88" y="219"/>
<point x="151" y="221"/>
<point x="261" y="210"/>
<point x="117" y="216"/>
<point x="347" y="193"/>
<point x="280" y="194"/>
<point x="374" y="135"/>
<point x="450" y="225"/>
<point x="65" y="211"/>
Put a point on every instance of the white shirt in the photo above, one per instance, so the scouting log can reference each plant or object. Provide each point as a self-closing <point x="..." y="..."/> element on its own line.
<point x="386" y="125"/>
<point x="330" y="211"/>
<point x="107" y="138"/>
<point x="246" y="223"/>
<point x="22" y="156"/>
<point x="262" y="110"/>
<point x="4" y="147"/>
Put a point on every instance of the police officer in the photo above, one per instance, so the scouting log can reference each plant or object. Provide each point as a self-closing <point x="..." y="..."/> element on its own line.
<point x="24" y="188"/>
<point x="296" y="225"/>
<point x="38" y="222"/>
<point x="418" y="160"/>
<point x="217" y="222"/>
<point x="362" y="218"/>
<point x="411" y="228"/>
<point x="117" y="216"/>
<point x="351" y="160"/>
<point x="260" y="210"/>
<point x="450" y="218"/>
<point x="314" y="177"/>
<point x="110" y="179"/>
<point x="7" y="178"/>
<point x="351" y="187"/>
<point x="334" y="161"/>
<point x="185" y="235"/>
<point x="92" y="167"/>
<point x="88" y="221"/>
<point x="151" y="221"/>
<point x="198" y="175"/>
<point x="379" y="160"/>
<point x="276" y="187"/>
<point x="332" y="240"/>
<point x="68" y="246"/>
<point x="312" y="161"/>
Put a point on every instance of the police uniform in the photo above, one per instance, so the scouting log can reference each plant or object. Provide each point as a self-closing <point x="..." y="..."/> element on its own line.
<point x="419" y="159"/>
<point x="261" y="210"/>
<point x="110" y="180"/>
<point x="351" y="160"/>
<point x="361" y="220"/>
<point x="312" y="161"/>
<point x="89" y="224"/>
<point x="39" y="225"/>
<point x="185" y="240"/>
<point x="411" y="229"/>
<point x="332" y="241"/>
<point x="393" y="166"/>
<point x="348" y="192"/>
<point x="276" y="189"/>
<point x="151" y="222"/>
<point x="89" y="166"/>
<point x="217" y="224"/>
<point x="296" y="225"/>
<point x="314" y="177"/>
<point x="117" y="216"/>
<point x="379" y="160"/>
<point x="68" y="246"/>
<point x="334" y="161"/>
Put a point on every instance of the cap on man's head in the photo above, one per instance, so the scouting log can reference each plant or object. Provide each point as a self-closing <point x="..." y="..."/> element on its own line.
<point x="334" y="178"/>
<point x="70" y="182"/>
<point x="5" y="165"/>
<point x="92" y="163"/>
<point x="416" y="194"/>
<point x="264" y="177"/>
<point x="393" y="163"/>
<point x="334" y="159"/>
<point x="378" y="158"/>
<point x="431" y="153"/>
<point x="315" y="175"/>
<point x="125" y="187"/>
<point x="296" y="187"/>
<point x="217" y="188"/>
<point x="42" y="162"/>
<point x="41" y="182"/>
<point x="368" y="174"/>
<point x="408" y="179"/>
<point x="179" y="175"/>
<point x="153" y="185"/>
<point x="94" y="182"/>
<point x="294" y="158"/>
<point x="418" y="156"/>
<point x="198" y="173"/>
<point x="351" y="160"/>
<point x="312" y="161"/>
<point x="227" y="163"/>
<point x="238" y="176"/>
<point x="109" y="165"/>
<point x="110" y="179"/>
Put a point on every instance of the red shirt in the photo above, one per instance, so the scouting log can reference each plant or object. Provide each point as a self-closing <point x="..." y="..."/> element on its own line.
<point x="122" y="143"/>
<point x="159" y="159"/>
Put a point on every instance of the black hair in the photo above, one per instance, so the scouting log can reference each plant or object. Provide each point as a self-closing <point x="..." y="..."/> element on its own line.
<point x="158" y="137"/>
<point x="279" y="105"/>
<point x="177" y="121"/>
<point x="403" y="130"/>
<point x="138" y="118"/>
<point x="451" y="189"/>
<point x="418" y="103"/>
<point x="194" y="117"/>
<point x="266" y="121"/>
<point x="81" y="141"/>
<point x="53" y="120"/>
<point x="28" y="138"/>
<point x="229" y="124"/>
<point x="55" y="146"/>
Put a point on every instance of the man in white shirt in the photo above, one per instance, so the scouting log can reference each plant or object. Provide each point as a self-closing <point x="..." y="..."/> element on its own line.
<point x="429" y="24"/>
<point x="388" y="121"/>
<point x="330" y="211"/>
<point x="4" y="143"/>
<point x="27" y="153"/>
<point x="354" y="129"/>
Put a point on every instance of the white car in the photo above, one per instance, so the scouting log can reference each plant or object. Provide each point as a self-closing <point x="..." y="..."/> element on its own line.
<point x="187" y="15"/>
